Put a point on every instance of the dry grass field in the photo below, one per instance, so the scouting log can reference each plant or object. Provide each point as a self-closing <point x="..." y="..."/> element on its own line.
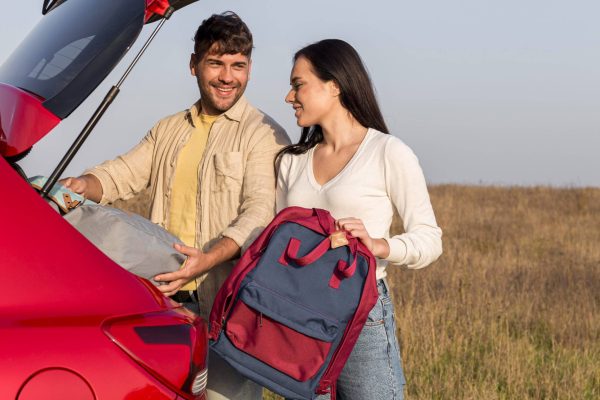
<point x="512" y="308"/>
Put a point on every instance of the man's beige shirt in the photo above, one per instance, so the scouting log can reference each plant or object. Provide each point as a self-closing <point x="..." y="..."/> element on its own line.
<point x="236" y="196"/>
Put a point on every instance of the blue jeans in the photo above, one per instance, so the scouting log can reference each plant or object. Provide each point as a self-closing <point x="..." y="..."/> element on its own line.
<point x="374" y="368"/>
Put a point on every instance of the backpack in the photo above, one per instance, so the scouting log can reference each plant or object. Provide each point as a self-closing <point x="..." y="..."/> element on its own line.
<point x="291" y="310"/>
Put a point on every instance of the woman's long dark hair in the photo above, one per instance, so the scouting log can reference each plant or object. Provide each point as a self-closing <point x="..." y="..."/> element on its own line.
<point x="335" y="60"/>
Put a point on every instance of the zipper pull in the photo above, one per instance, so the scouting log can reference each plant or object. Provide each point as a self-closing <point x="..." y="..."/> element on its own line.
<point x="260" y="320"/>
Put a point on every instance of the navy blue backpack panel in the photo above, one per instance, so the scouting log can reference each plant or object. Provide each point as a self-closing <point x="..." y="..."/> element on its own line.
<point x="291" y="310"/>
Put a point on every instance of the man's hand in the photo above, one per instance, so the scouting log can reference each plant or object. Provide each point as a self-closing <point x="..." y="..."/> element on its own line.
<point x="196" y="264"/>
<point x="86" y="185"/>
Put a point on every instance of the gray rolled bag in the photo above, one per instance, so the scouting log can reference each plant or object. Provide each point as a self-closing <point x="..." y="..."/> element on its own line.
<point x="135" y="243"/>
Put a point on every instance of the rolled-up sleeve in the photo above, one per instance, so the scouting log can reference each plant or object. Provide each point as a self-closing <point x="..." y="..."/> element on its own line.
<point x="282" y="182"/>
<point x="129" y="173"/>
<point x="421" y="242"/>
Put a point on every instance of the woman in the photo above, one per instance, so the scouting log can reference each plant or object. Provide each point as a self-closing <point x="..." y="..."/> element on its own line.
<point x="347" y="163"/>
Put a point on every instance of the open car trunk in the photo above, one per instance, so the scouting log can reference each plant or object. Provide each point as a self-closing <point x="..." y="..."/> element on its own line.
<point x="63" y="59"/>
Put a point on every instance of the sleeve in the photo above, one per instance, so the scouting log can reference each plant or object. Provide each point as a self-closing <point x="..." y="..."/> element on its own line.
<point x="127" y="174"/>
<point x="421" y="244"/>
<point x="258" y="190"/>
<point x="282" y="182"/>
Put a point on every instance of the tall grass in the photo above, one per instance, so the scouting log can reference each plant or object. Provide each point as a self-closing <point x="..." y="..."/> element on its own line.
<point x="512" y="308"/>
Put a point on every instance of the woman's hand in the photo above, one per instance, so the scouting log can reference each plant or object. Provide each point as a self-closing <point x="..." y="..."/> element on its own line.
<point x="355" y="227"/>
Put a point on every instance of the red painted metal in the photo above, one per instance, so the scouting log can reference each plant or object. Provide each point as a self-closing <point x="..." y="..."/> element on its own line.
<point x="23" y="120"/>
<point x="56" y="383"/>
<point x="158" y="7"/>
<point x="73" y="324"/>
<point x="58" y="296"/>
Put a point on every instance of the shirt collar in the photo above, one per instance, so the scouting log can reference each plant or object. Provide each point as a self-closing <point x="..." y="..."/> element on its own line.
<point x="234" y="113"/>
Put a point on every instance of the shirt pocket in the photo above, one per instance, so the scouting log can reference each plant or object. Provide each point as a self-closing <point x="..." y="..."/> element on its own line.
<point x="229" y="171"/>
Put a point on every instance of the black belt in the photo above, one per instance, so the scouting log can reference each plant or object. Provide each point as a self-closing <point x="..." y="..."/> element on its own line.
<point x="185" y="296"/>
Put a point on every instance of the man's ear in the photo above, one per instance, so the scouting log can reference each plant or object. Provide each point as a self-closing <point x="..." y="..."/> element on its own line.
<point x="249" y="67"/>
<point x="193" y="64"/>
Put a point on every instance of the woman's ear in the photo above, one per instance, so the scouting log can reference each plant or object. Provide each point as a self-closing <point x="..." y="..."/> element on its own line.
<point x="334" y="88"/>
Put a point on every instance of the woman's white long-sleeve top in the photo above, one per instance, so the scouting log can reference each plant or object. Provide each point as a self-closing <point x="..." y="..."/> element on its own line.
<point x="383" y="174"/>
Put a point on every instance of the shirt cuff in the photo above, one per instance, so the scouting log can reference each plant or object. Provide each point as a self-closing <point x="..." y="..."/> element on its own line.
<point x="242" y="239"/>
<point x="397" y="251"/>
<point x="104" y="179"/>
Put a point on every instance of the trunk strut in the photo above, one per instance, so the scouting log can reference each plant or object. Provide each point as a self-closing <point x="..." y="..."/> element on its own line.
<point x="108" y="99"/>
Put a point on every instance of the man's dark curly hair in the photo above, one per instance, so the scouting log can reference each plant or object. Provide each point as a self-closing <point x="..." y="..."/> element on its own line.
<point x="228" y="31"/>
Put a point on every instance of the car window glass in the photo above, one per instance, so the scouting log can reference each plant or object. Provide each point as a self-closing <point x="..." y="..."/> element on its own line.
<point x="72" y="49"/>
<point x="62" y="59"/>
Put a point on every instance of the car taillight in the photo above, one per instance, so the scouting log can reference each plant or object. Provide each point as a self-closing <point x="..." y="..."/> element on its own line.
<point x="170" y="345"/>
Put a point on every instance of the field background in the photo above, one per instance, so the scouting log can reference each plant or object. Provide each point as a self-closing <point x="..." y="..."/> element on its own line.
<point x="512" y="308"/>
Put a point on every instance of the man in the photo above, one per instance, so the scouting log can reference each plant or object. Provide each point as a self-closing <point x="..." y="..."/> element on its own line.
<point x="210" y="173"/>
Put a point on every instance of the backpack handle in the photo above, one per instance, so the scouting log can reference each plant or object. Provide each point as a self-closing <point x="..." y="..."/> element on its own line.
<point x="325" y="220"/>
<point x="291" y="252"/>
<point x="342" y="270"/>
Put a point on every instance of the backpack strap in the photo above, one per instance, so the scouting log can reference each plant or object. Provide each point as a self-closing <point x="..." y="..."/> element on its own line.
<point x="291" y="252"/>
<point x="325" y="220"/>
<point x="343" y="269"/>
<point x="326" y="387"/>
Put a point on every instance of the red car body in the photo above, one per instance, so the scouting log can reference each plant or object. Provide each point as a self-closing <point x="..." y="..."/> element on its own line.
<point x="73" y="324"/>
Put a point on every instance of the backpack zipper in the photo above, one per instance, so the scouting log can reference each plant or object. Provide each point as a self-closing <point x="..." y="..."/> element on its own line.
<point x="258" y="284"/>
<point x="340" y="345"/>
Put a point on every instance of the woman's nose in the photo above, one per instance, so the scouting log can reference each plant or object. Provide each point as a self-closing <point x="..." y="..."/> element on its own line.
<point x="290" y="96"/>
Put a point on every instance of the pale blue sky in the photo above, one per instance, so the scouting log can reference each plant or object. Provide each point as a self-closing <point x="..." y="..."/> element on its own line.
<point x="485" y="92"/>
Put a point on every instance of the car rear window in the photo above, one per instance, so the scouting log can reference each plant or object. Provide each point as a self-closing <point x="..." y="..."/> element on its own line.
<point x="72" y="49"/>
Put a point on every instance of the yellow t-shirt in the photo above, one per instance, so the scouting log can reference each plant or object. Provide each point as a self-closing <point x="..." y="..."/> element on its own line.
<point x="184" y="192"/>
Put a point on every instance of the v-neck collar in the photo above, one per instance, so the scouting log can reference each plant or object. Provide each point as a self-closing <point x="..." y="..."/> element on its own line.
<point x="311" y="174"/>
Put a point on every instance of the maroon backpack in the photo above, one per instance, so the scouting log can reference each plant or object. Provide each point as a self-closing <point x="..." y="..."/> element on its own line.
<point x="290" y="312"/>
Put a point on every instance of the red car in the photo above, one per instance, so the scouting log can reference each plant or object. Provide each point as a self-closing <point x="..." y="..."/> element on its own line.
<point x="73" y="324"/>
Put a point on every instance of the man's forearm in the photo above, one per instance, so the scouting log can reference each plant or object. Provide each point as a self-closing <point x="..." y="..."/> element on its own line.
<point x="223" y="250"/>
